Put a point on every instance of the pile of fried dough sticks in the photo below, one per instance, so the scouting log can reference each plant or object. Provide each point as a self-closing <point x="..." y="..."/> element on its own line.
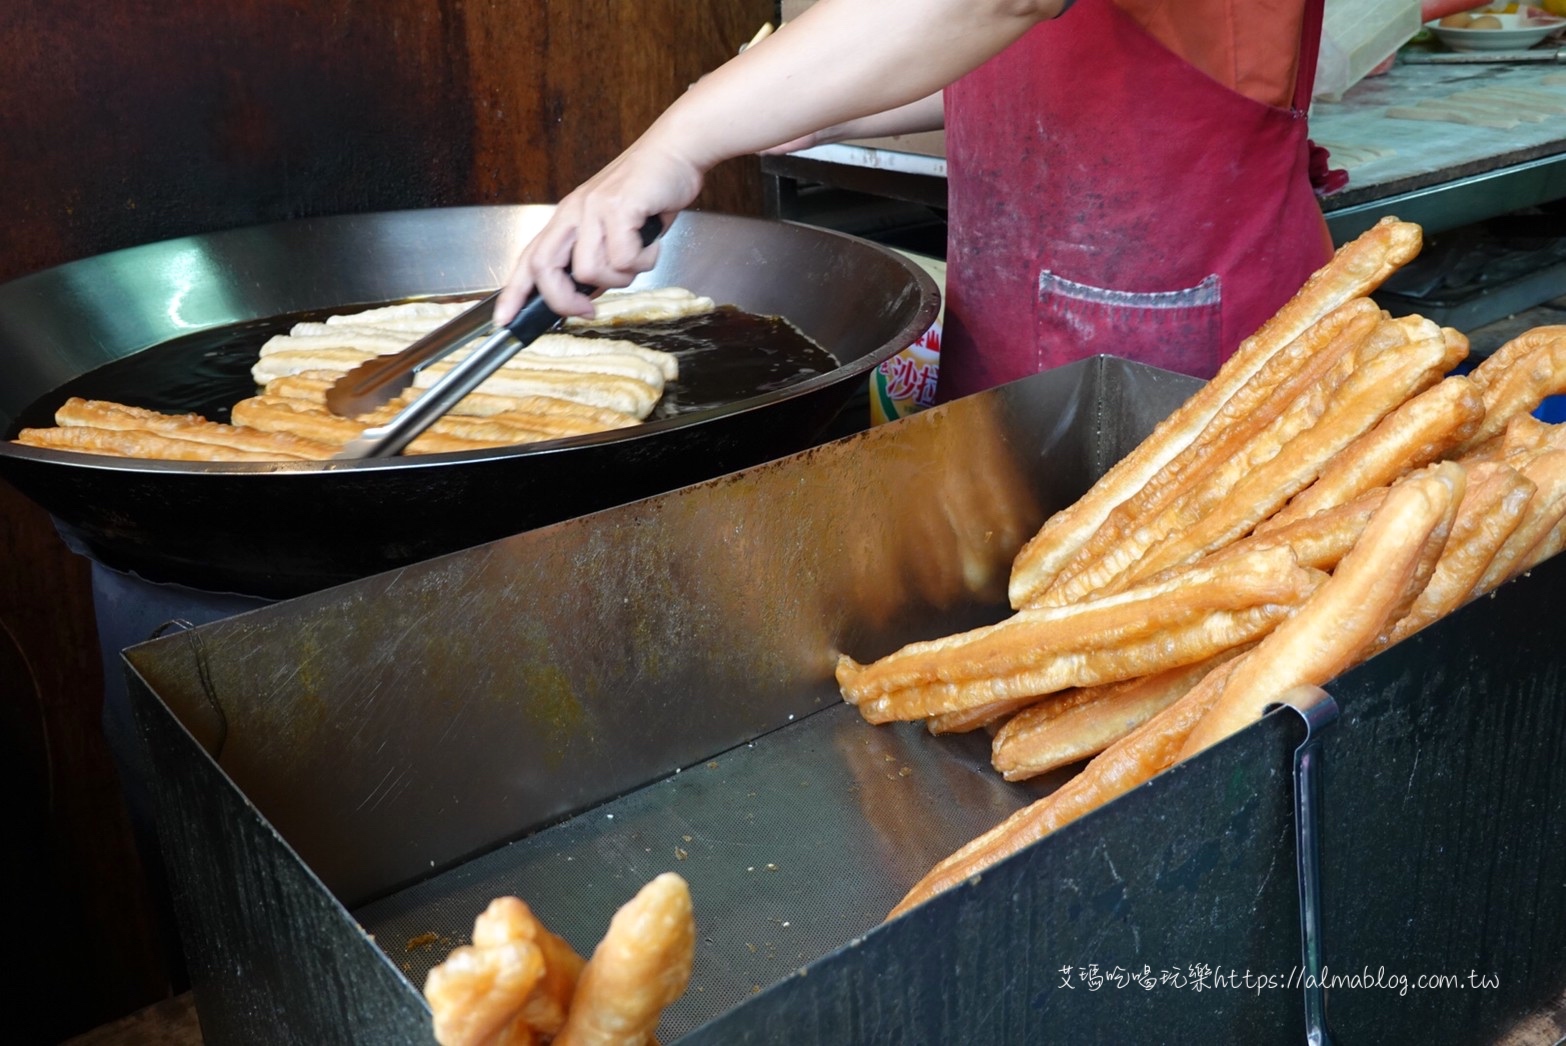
<point x="1331" y="491"/>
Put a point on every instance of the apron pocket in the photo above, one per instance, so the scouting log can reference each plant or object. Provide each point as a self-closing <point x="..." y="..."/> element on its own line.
<point x="1178" y="330"/>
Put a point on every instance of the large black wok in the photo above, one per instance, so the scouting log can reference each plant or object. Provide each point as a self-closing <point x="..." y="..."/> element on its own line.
<point x="284" y="529"/>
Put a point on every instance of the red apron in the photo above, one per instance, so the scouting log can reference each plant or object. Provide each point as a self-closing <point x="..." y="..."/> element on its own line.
<point x="1109" y="197"/>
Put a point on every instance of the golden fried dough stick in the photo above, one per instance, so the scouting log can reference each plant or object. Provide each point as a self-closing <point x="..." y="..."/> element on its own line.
<point x="1492" y="508"/>
<point x="1548" y="547"/>
<point x="510" y="919"/>
<point x="1092" y="665"/>
<point x="1547" y="471"/>
<point x="641" y="966"/>
<point x="1334" y="628"/>
<point x="477" y="992"/>
<point x="1354" y="271"/>
<point x="1288" y="392"/>
<point x="1076" y="725"/>
<point x="1505" y="358"/>
<point x="1145" y="630"/>
<point x="1523" y="435"/>
<point x="1317" y="541"/>
<point x="1415" y="508"/>
<point x="120" y="443"/>
<point x="1122" y="766"/>
<point x="102" y="414"/>
<point x="968" y="719"/>
<point x="281" y="414"/>
<point x="1515" y="382"/>
<point x="1369" y="395"/>
<point x="1420" y="431"/>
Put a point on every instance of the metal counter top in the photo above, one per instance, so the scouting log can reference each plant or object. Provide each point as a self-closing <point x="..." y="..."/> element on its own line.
<point x="1440" y="173"/>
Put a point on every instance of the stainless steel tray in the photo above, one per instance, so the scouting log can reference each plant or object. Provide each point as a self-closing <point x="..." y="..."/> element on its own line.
<point x="565" y="713"/>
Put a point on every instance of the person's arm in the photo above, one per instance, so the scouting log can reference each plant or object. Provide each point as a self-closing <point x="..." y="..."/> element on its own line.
<point x="841" y="60"/>
<point x="927" y="114"/>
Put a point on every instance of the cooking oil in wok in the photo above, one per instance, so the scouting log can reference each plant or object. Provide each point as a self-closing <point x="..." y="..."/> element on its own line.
<point x="725" y="356"/>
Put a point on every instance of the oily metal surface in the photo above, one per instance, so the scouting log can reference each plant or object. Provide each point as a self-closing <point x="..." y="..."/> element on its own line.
<point x="278" y="530"/>
<point x="756" y="832"/>
<point x="612" y="650"/>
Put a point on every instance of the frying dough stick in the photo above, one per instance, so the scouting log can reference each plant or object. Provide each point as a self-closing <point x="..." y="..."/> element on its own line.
<point x="101" y="414"/>
<point x="1052" y="733"/>
<point x="1492" y="508"/>
<point x="600" y="390"/>
<point x="476" y="992"/>
<point x="626" y="308"/>
<point x="1519" y="387"/>
<point x="278" y="414"/>
<point x="503" y="429"/>
<point x="545" y="413"/>
<point x="602" y="358"/>
<point x="667" y="363"/>
<point x="1040" y="651"/>
<point x="510" y="919"/>
<point x="292" y="361"/>
<point x="641" y="966"/>
<point x="1415" y="508"/>
<point x="1420" y="431"/>
<point x="479" y="405"/>
<point x="1274" y="403"/>
<point x="1368" y="396"/>
<point x="1334" y="628"/>
<point x="1355" y="270"/>
<point x="1546" y="509"/>
<point x="131" y="444"/>
<point x="327" y="338"/>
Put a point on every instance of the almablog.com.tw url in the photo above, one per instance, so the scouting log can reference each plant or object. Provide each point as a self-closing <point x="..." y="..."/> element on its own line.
<point x="1202" y="977"/>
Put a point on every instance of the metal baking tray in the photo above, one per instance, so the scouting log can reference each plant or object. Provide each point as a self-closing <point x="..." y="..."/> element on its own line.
<point x="345" y="779"/>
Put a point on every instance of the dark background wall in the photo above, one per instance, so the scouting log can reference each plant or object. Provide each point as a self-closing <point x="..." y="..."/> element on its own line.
<point x="128" y="121"/>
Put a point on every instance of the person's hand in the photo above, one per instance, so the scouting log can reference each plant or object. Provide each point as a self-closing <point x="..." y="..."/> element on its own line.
<point x="595" y="232"/>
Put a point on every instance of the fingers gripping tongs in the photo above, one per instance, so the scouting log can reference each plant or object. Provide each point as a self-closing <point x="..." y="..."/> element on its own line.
<point x="375" y="383"/>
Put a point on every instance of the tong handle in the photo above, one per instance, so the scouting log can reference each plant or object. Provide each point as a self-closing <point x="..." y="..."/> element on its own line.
<point x="532" y="320"/>
<point x="1317" y="708"/>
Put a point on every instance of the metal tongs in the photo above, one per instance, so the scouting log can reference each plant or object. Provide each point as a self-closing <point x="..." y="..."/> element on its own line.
<point x="376" y="382"/>
<point x="1317" y="708"/>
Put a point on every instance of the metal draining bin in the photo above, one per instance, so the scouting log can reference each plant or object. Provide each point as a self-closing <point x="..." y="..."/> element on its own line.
<point x="345" y="779"/>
